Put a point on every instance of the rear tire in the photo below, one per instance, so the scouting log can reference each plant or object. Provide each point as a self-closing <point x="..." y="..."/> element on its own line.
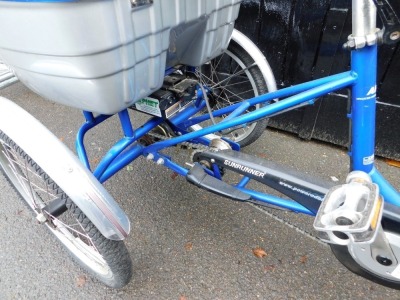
<point x="105" y="259"/>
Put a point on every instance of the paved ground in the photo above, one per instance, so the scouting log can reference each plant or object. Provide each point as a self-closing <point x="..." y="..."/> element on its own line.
<point x="185" y="243"/>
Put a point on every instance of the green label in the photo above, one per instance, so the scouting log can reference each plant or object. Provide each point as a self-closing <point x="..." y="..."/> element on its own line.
<point x="149" y="105"/>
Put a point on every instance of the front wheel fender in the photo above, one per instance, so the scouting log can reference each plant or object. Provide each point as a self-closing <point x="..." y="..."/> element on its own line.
<point x="65" y="169"/>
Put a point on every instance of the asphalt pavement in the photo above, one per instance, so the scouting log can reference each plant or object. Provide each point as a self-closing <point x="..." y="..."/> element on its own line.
<point x="185" y="243"/>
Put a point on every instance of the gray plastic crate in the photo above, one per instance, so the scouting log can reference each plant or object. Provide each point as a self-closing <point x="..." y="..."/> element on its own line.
<point x="104" y="55"/>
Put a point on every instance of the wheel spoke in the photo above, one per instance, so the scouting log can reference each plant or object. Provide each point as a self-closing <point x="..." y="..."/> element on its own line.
<point x="233" y="77"/>
<point x="227" y="80"/>
<point x="12" y="163"/>
<point x="40" y="194"/>
<point x="72" y="233"/>
<point x="108" y="260"/>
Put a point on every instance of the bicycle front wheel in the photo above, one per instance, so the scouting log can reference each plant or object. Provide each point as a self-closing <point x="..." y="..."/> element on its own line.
<point x="107" y="260"/>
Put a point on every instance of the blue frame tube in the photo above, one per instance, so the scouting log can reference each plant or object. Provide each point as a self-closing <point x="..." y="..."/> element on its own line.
<point x="187" y="113"/>
<point x="286" y="92"/>
<point x="388" y="192"/>
<point x="363" y="109"/>
<point x="116" y="158"/>
<point x="110" y="165"/>
<point x="243" y="182"/>
<point x="126" y="123"/>
<point x="120" y="146"/>
<point x="175" y="167"/>
<point x="263" y="112"/>
<point x="120" y="162"/>
<point x="90" y="123"/>
<point x="111" y="155"/>
<point x="363" y="119"/>
<point x="270" y="199"/>
<point x="362" y="116"/>
<point x="238" y="111"/>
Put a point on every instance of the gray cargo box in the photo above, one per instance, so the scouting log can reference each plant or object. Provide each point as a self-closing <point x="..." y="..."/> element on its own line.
<point x="104" y="55"/>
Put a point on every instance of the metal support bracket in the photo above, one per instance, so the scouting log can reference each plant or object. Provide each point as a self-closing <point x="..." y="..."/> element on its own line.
<point x="390" y="33"/>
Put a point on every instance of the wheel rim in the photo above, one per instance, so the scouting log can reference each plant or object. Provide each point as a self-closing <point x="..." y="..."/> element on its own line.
<point x="231" y="82"/>
<point x="362" y="254"/>
<point x="37" y="192"/>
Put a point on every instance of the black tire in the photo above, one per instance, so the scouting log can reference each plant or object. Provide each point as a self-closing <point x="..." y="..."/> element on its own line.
<point x="241" y="86"/>
<point x="371" y="269"/>
<point x="105" y="259"/>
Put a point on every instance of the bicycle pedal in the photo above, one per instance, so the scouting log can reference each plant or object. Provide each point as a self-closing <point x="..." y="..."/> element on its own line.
<point x="350" y="213"/>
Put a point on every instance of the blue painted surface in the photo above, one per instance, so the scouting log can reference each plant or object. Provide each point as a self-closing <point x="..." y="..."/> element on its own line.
<point x="270" y="199"/>
<point x="388" y="192"/>
<point x="332" y="84"/>
<point x="286" y="92"/>
<point x="90" y="123"/>
<point x="128" y="149"/>
<point x="363" y="109"/>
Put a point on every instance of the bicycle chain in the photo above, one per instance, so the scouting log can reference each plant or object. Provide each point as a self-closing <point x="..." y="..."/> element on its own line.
<point x="200" y="147"/>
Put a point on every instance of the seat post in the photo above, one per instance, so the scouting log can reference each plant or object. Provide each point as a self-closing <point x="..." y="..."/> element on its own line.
<point x="364" y="18"/>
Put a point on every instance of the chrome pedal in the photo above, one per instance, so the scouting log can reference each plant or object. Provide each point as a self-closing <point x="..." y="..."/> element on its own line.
<point x="350" y="213"/>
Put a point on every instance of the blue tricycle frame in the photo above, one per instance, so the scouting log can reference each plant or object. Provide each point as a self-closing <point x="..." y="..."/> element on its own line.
<point x="361" y="80"/>
<point x="363" y="236"/>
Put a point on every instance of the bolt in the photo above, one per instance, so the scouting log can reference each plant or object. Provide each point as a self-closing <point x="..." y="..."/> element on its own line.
<point x="384" y="261"/>
<point x="160" y="161"/>
<point x="395" y="35"/>
<point x="150" y="156"/>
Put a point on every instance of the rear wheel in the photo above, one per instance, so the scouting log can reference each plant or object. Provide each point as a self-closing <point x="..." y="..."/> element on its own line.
<point x="107" y="260"/>
<point x="233" y="77"/>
